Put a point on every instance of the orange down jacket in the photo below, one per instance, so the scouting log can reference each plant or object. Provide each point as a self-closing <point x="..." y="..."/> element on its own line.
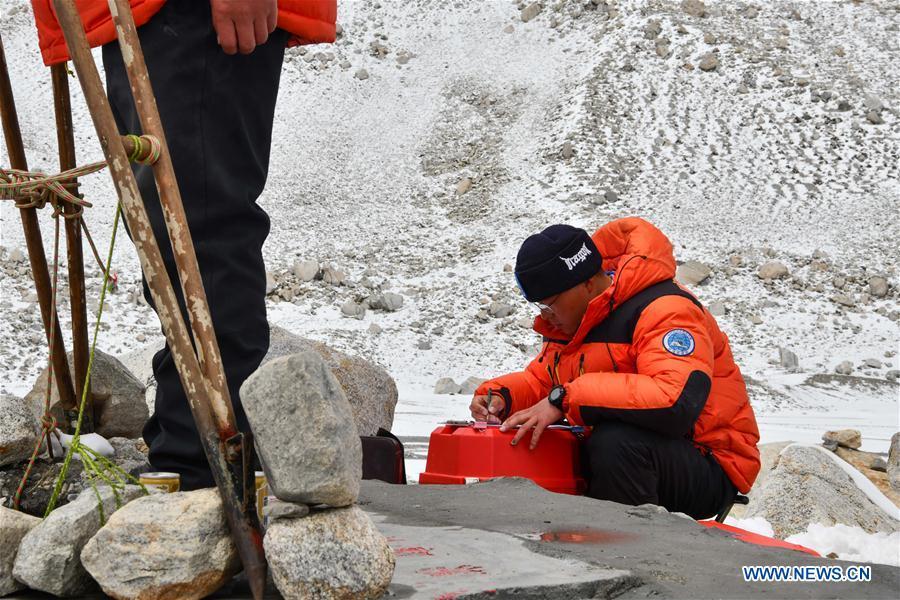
<point x="310" y="22"/>
<point x="646" y="353"/>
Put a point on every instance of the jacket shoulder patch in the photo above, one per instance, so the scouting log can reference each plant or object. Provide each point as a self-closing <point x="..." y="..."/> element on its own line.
<point x="679" y="342"/>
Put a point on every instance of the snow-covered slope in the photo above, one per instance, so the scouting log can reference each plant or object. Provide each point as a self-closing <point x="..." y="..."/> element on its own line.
<point x="587" y="112"/>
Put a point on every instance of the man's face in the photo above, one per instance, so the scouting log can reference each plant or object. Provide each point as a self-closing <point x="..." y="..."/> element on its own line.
<point x="565" y="310"/>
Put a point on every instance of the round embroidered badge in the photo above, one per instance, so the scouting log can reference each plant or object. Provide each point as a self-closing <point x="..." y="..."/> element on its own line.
<point x="679" y="342"/>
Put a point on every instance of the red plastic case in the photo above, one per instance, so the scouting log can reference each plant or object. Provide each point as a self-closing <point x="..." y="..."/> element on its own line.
<point x="459" y="454"/>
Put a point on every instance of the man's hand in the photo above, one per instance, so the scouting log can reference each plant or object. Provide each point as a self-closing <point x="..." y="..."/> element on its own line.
<point x="537" y="417"/>
<point x="481" y="411"/>
<point x="242" y="25"/>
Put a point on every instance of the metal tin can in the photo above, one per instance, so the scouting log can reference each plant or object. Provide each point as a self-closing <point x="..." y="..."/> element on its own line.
<point x="161" y="481"/>
<point x="262" y="490"/>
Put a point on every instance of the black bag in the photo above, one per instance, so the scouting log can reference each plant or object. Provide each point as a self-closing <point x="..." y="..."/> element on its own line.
<point x="383" y="457"/>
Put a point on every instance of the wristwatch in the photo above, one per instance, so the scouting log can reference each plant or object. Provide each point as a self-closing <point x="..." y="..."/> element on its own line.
<point x="557" y="397"/>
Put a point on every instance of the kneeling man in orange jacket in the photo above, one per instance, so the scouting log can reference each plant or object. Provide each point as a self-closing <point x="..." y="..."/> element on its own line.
<point x="637" y="359"/>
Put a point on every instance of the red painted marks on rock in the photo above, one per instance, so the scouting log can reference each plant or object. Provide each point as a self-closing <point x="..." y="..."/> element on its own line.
<point x="413" y="551"/>
<point x="449" y="571"/>
<point x="586" y="536"/>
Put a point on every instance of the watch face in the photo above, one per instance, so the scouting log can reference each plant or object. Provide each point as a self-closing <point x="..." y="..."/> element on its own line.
<point x="555" y="394"/>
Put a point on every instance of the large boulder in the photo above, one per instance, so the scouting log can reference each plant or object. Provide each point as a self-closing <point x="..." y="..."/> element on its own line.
<point x="120" y="409"/>
<point x="333" y="553"/>
<point x="304" y="431"/>
<point x="808" y="485"/>
<point x="893" y="462"/>
<point x="164" y="547"/>
<point x="13" y="527"/>
<point x="19" y="430"/>
<point x="768" y="457"/>
<point x="49" y="557"/>
<point x="369" y="388"/>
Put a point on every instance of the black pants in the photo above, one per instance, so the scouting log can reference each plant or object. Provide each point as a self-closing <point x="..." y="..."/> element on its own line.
<point x="217" y="111"/>
<point x="632" y="465"/>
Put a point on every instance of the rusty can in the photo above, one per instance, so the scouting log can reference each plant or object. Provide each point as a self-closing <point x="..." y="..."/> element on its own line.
<point x="262" y="490"/>
<point x="159" y="481"/>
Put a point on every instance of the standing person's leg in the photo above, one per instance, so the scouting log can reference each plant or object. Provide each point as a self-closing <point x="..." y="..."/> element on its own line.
<point x="632" y="465"/>
<point x="217" y="111"/>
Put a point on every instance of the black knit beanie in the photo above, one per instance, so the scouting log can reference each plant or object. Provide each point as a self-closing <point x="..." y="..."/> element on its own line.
<point x="555" y="260"/>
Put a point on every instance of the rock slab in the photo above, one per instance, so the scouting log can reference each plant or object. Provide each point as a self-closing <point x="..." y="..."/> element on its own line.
<point x="164" y="547"/>
<point x="334" y="553"/>
<point x="304" y="431"/>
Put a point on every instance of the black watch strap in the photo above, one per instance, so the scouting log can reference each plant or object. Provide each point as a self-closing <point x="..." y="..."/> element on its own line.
<point x="557" y="396"/>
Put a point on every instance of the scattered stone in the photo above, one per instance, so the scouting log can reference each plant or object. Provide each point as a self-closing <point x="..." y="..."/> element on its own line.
<point x="336" y="553"/>
<point x="566" y="152"/>
<point x="375" y="329"/>
<point x="874" y="118"/>
<point x="369" y="388"/>
<point x="710" y="38"/>
<point x="892" y="375"/>
<point x="499" y="310"/>
<point x="304" y="431"/>
<point x="788" y="360"/>
<point x="848" y="438"/>
<point x="49" y="557"/>
<point x="756" y="320"/>
<point x="352" y="309"/>
<point x="424" y="345"/>
<point x="694" y="8"/>
<point x="843" y="106"/>
<point x="843" y="300"/>
<point x="751" y="12"/>
<point x="692" y="272"/>
<point x="717" y="308"/>
<point x="19" y="430"/>
<point x="880" y="465"/>
<point x="610" y="196"/>
<point x="16" y="256"/>
<point x="808" y="486"/>
<point x="164" y="546"/>
<point x="13" y="527"/>
<point x="471" y="384"/>
<point x="446" y="385"/>
<point x="306" y="270"/>
<point x="873" y="103"/>
<point x="361" y="74"/>
<point x="120" y="409"/>
<point x="652" y="29"/>
<point x="387" y="301"/>
<point x="333" y="276"/>
<point x="271" y="284"/>
<point x="464" y="185"/>
<point x="530" y="11"/>
<point x="844" y="368"/>
<point x="663" y="49"/>
<point x="509" y="28"/>
<point x="872" y="363"/>
<point x="773" y="270"/>
<point x="893" y="462"/>
<point x="279" y="509"/>
<point x="709" y="62"/>
<point x="878" y="287"/>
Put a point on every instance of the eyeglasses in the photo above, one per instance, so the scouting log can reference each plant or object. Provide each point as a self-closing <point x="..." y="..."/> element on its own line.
<point x="546" y="307"/>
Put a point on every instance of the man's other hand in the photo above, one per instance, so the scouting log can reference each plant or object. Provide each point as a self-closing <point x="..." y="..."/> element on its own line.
<point x="242" y="25"/>
<point x="536" y="418"/>
<point x="481" y="411"/>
